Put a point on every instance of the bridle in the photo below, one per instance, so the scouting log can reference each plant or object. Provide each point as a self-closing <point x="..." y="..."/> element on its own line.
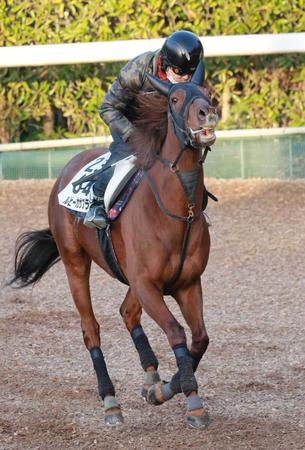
<point x="186" y="141"/>
<point x="185" y="134"/>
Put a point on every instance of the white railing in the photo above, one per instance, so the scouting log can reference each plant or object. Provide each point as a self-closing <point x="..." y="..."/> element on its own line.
<point x="105" y="140"/>
<point x="36" y="55"/>
<point x="96" y="52"/>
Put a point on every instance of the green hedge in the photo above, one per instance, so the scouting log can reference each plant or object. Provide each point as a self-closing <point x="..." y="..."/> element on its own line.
<point x="62" y="101"/>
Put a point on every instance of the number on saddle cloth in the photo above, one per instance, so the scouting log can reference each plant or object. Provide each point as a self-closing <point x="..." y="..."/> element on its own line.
<point x="90" y="174"/>
<point x="85" y="183"/>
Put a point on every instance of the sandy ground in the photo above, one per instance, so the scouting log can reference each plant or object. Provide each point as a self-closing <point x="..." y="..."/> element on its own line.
<point x="253" y="374"/>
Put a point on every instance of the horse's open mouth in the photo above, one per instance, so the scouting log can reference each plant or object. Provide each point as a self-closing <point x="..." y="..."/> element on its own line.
<point x="207" y="135"/>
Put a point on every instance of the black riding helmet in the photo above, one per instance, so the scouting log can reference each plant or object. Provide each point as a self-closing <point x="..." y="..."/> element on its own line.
<point x="182" y="51"/>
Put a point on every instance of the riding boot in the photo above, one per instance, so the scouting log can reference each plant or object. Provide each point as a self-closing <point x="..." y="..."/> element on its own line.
<point x="96" y="216"/>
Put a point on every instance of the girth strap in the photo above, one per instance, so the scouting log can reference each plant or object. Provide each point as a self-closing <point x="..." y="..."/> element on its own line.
<point x="110" y="255"/>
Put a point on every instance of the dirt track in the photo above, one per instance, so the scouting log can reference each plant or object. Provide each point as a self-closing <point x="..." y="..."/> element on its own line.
<point x="253" y="375"/>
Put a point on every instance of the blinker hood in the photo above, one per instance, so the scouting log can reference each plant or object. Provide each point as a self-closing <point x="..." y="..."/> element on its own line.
<point x="199" y="74"/>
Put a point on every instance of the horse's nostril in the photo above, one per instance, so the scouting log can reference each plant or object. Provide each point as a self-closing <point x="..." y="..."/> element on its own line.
<point x="202" y="114"/>
<point x="212" y="118"/>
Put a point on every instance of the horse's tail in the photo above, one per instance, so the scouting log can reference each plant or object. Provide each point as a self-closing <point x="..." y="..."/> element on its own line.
<point x="36" y="252"/>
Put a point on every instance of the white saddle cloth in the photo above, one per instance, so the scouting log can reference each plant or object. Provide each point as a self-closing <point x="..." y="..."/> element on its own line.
<point x="79" y="197"/>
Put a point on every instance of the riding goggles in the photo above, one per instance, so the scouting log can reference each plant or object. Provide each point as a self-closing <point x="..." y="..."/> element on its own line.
<point x="181" y="72"/>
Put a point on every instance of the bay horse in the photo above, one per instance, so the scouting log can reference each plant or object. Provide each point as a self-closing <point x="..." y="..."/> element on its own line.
<point x="161" y="241"/>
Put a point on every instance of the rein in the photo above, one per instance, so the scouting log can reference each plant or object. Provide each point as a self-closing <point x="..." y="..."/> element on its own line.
<point x="173" y="164"/>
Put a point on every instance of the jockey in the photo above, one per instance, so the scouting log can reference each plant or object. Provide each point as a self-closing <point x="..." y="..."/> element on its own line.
<point x="176" y="61"/>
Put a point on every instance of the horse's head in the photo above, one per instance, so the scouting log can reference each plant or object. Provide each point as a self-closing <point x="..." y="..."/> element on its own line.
<point x="193" y="116"/>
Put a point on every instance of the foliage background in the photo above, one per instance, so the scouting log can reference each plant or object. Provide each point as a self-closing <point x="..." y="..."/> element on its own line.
<point x="63" y="101"/>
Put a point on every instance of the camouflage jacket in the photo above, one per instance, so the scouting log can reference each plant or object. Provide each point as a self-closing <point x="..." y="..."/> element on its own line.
<point x="116" y="109"/>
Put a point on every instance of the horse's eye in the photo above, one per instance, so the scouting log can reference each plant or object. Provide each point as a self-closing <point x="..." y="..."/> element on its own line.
<point x="174" y="100"/>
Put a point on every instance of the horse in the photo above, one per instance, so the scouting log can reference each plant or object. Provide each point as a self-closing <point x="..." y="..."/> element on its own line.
<point x="161" y="242"/>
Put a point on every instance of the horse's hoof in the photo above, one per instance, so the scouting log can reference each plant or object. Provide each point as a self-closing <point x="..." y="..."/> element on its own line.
<point x="154" y="395"/>
<point x="198" y="421"/>
<point x="144" y="392"/>
<point x="114" y="419"/>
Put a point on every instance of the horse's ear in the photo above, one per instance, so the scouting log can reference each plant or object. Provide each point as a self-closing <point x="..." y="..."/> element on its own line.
<point x="161" y="86"/>
<point x="198" y="76"/>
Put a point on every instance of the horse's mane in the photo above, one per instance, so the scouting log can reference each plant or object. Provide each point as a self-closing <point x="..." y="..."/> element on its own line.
<point x="150" y="128"/>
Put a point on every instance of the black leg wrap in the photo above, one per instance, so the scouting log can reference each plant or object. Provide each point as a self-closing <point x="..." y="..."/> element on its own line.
<point x="105" y="386"/>
<point x="195" y="362"/>
<point x="146" y="354"/>
<point x="175" y="381"/>
<point x="186" y="373"/>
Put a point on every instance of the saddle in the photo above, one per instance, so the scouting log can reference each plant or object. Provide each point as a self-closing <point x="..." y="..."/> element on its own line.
<point x="77" y="198"/>
<point x="123" y="172"/>
<point x="77" y="195"/>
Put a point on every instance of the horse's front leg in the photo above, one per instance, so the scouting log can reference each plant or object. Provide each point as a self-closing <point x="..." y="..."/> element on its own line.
<point x="131" y="312"/>
<point x="152" y="301"/>
<point x="190" y="302"/>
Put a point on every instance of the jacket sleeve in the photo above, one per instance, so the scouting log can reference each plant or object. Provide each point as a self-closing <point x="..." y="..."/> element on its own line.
<point x="112" y="111"/>
<point x="122" y="92"/>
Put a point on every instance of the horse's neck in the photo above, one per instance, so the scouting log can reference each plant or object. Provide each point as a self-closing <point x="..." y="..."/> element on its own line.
<point x="170" y="184"/>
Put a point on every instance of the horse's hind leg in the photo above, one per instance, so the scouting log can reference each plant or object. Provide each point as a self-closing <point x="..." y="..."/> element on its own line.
<point x="131" y="312"/>
<point x="78" y="263"/>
